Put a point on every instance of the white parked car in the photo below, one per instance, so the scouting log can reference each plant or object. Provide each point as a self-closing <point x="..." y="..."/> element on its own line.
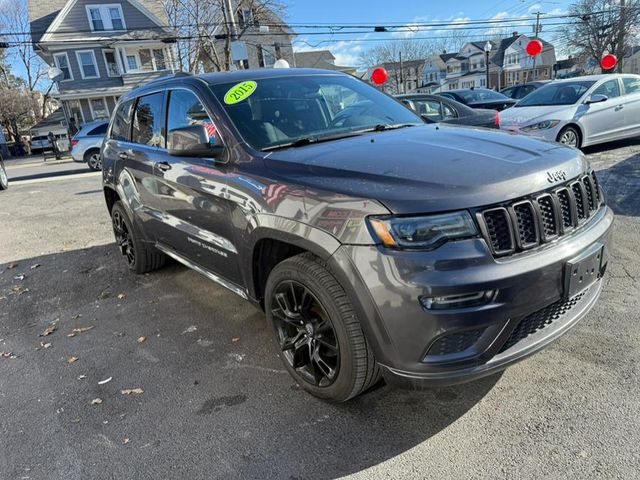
<point x="579" y="111"/>
<point x="85" y="145"/>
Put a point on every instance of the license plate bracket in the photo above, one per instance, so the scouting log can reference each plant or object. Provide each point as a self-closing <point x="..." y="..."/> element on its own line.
<point x="584" y="270"/>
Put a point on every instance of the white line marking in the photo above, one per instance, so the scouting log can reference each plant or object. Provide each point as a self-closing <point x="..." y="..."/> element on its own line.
<point x="54" y="179"/>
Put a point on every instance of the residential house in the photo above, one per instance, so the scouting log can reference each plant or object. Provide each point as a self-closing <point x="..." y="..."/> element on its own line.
<point x="517" y="66"/>
<point x="320" y="59"/>
<point x="569" y="67"/>
<point x="263" y="38"/>
<point x="434" y="72"/>
<point x="104" y="48"/>
<point x="631" y="60"/>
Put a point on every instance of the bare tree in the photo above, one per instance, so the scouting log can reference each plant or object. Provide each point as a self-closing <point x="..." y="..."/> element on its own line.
<point x="602" y="26"/>
<point x="18" y="107"/>
<point x="206" y="30"/>
<point x="14" y="19"/>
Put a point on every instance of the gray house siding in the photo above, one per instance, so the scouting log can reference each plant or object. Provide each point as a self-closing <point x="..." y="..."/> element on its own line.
<point x="78" y="83"/>
<point x="111" y="104"/>
<point x="77" y="20"/>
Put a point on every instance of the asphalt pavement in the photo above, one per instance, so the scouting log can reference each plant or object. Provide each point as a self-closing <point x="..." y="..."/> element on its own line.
<point x="216" y="401"/>
<point x="35" y="168"/>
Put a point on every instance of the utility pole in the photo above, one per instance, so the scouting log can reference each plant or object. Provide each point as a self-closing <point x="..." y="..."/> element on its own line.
<point x="401" y="74"/>
<point x="229" y="17"/>
<point x="537" y="31"/>
<point x="621" y="31"/>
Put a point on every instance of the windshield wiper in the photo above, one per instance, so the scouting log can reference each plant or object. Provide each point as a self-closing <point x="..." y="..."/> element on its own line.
<point x="301" y="142"/>
<point x="381" y="127"/>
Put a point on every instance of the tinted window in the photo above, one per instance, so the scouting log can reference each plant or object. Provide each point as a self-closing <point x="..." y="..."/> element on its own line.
<point x="525" y="90"/>
<point x="560" y="93"/>
<point x="185" y="110"/>
<point x="473" y="96"/>
<point x="147" y="121"/>
<point x="509" y="92"/>
<point x="101" y="130"/>
<point x="278" y="111"/>
<point x="610" y="88"/>
<point x="121" y="127"/>
<point x="631" y="85"/>
<point x="448" y="112"/>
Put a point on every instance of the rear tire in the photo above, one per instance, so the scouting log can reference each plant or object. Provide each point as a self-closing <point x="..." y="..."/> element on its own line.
<point x="322" y="321"/>
<point x="570" y="136"/>
<point x="140" y="256"/>
<point x="4" y="180"/>
<point x="92" y="157"/>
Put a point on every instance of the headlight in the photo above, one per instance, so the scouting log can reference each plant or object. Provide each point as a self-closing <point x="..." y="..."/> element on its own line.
<point x="422" y="232"/>
<point x="547" y="124"/>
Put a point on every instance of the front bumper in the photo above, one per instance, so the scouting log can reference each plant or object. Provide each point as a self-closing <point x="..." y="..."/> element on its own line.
<point x="386" y="287"/>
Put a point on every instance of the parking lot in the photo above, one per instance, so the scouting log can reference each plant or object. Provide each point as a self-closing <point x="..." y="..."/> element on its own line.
<point x="205" y="395"/>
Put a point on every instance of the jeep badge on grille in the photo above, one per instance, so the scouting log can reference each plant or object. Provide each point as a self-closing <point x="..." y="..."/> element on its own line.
<point x="556" y="176"/>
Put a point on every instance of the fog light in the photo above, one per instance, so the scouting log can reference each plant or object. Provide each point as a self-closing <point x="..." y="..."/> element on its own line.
<point x="458" y="301"/>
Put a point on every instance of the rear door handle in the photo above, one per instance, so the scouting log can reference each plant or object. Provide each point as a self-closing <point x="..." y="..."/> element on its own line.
<point x="619" y="107"/>
<point x="123" y="156"/>
<point x="163" y="166"/>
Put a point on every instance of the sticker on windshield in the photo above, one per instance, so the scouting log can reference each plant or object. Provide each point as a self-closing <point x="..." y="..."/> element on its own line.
<point x="240" y="92"/>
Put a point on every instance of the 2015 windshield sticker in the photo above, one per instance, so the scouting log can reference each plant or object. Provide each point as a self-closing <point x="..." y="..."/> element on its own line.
<point x="240" y="92"/>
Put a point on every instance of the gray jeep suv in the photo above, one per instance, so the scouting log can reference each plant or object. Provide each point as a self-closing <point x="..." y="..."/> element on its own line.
<point x="378" y="246"/>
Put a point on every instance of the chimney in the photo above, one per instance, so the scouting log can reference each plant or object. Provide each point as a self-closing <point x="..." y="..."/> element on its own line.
<point x="444" y="52"/>
<point x="515" y="34"/>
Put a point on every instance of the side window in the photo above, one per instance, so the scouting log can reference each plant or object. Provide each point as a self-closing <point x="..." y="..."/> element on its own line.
<point x="186" y="110"/>
<point x="429" y="108"/>
<point x="448" y="112"/>
<point x="147" y="121"/>
<point x="631" y="85"/>
<point x="508" y="92"/>
<point x="101" y="130"/>
<point x="524" y="91"/>
<point x="121" y="127"/>
<point x="610" y="88"/>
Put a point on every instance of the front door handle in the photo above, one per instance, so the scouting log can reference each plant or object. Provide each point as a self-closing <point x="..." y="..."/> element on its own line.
<point x="619" y="107"/>
<point x="163" y="166"/>
<point x="123" y="156"/>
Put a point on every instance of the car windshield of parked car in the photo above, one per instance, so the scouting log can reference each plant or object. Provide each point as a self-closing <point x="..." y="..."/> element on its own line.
<point x="475" y="96"/>
<point x="290" y="111"/>
<point x="561" y="93"/>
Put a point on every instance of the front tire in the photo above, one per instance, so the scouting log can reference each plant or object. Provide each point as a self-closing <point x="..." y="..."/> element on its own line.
<point x="4" y="180"/>
<point x="140" y="256"/>
<point x="570" y="136"/>
<point x="94" y="162"/>
<point x="317" y="331"/>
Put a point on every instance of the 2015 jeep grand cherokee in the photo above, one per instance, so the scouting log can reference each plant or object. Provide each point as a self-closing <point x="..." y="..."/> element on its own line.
<point x="377" y="245"/>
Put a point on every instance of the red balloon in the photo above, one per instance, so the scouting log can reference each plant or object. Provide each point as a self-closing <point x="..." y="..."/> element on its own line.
<point x="609" y="61"/>
<point x="379" y="76"/>
<point x="534" y="48"/>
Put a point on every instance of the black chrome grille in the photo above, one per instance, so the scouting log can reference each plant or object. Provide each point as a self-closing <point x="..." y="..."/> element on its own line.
<point x="526" y="223"/>
<point x="454" y="342"/>
<point x="548" y="217"/>
<point x="541" y="319"/>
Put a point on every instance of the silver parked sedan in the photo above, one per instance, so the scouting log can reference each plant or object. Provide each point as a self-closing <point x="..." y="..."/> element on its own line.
<point x="85" y="145"/>
<point x="579" y="111"/>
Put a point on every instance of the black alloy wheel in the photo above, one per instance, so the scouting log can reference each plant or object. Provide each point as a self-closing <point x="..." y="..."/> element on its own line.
<point x="123" y="238"/>
<point x="306" y="335"/>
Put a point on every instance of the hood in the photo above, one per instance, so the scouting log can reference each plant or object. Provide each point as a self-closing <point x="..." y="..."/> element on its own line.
<point x="428" y="168"/>
<point x="517" y="116"/>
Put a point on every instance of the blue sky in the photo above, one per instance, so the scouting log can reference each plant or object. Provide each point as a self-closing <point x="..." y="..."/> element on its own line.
<point x="347" y="47"/>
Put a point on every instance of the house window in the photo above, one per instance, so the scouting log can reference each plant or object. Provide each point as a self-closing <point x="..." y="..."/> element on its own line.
<point x="145" y="59"/>
<point x="158" y="58"/>
<point x="111" y="63"/>
<point x="98" y="108"/>
<point x="96" y="19"/>
<point x="105" y="17"/>
<point x="115" y="14"/>
<point x="265" y="57"/>
<point x="132" y="62"/>
<point x="62" y="62"/>
<point x="87" y="63"/>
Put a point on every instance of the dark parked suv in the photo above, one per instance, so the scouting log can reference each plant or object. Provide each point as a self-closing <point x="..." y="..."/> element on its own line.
<point x="377" y="245"/>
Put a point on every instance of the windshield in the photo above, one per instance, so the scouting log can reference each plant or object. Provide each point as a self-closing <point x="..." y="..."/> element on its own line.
<point x="474" y="96"/>
<point x="561" y="93"/>
<point x="283" y="111"/>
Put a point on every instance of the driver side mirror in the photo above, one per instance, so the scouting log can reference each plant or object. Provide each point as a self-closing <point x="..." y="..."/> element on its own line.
<point x="192" y="141"/>
<point x="597" y="98"/>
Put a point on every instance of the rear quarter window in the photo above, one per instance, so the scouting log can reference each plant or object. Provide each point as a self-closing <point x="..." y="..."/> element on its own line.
<point x="121" y="127"/>
<point x="101" y="130"/>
